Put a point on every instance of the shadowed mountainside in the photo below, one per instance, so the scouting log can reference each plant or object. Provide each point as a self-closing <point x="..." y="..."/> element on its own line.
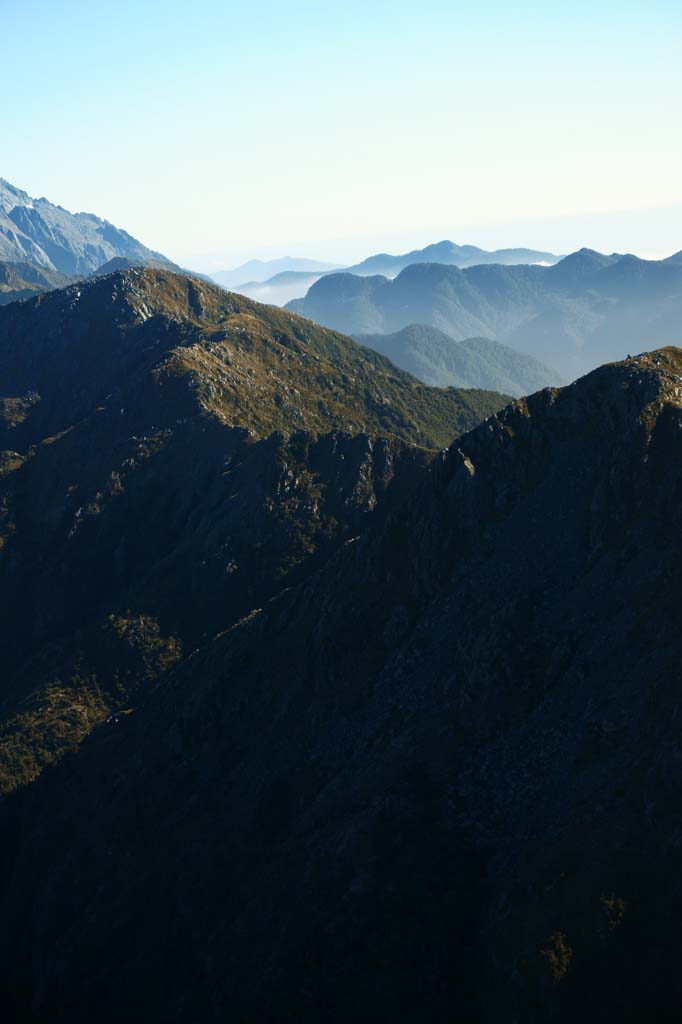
<point x="171" y="456"/>
<point x="23" y="280"/>
<point x="438" y="777"/>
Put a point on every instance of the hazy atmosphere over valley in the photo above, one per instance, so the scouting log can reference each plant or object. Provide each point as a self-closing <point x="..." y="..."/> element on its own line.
<point x="340" y="512"/>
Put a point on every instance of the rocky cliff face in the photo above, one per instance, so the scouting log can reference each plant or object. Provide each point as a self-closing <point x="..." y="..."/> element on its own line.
<point x="438" y="778"/>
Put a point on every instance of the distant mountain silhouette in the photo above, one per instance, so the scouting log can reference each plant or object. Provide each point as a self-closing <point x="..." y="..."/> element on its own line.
<point x="437" y="359"/>
<point x="289" y="285"/>
<point x="450" y="254"/>
<point x="280" y="289"/>
<point x="280" y="281"/>
<point x="587" y="309"/>
<point x="262" y="270"/>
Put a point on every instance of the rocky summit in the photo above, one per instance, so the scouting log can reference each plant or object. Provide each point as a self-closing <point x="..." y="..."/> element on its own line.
<point x="171" y="457"/>
<point x="436" y="778"/>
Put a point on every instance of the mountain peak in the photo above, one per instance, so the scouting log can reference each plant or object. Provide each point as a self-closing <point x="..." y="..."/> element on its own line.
<point x="218" y="352"/>
<point x="38" y="231"/>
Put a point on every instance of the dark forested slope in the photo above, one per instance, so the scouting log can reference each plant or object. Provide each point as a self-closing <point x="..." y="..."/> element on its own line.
<point x="171" y="456"/>
<point x="439" y="779"/>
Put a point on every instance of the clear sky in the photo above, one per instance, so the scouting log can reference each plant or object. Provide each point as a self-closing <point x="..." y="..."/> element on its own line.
<point x="217" y="131"/>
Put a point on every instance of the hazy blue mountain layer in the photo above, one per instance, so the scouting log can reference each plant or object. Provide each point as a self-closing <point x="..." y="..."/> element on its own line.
<point x="587" y="309"/>
<point x="437" y="359"/>
<point x="450" y="254"/>
<point x="286" y="279"/>
<point x="262" y="270"/>
<point x="280" y="289"/>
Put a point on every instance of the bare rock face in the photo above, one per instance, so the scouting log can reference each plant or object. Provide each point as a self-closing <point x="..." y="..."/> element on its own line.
<point x="438" y="778"/>
<point x="36" y="231"/>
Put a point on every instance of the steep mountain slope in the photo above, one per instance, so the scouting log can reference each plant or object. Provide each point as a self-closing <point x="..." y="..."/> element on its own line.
<point x="171" y="456"/>
<point x="261" y="270"/>
<point x="450" y="254"/>
<point x="22" y="280"/>
<point x="586" y="309"/>
<point x="440" y="778"/>
<point x="437" y="359"/>
<point x="247" y="364"/>
<point x="37" y="231"/>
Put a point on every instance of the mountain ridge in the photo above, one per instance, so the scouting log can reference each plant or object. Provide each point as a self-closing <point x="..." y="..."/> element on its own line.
<point x="292" y="283"/>
<point x="38" y="231"/>
<point x="161" y="437"/>
<point x="438" y="360"/>
<point x="483" y="789"/>
<point x="449" y="254"/>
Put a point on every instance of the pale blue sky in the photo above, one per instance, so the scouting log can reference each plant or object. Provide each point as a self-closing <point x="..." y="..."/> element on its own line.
<point x="218" y="131"/>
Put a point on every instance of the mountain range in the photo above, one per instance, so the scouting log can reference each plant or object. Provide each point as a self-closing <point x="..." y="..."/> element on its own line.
<point x="437" y="359"/>
<point x="329" y="694"/>
<point x="295" y="277"/>
<point x="433" y="772"/>
<point x="38" y="232"/>
<point x="586" y="309"/>
<point x="450" y="254"/>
